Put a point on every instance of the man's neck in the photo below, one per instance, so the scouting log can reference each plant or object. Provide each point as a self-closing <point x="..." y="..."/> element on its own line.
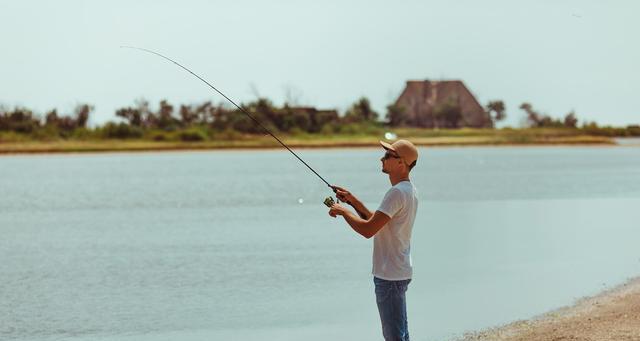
<point x="396" y="178"/>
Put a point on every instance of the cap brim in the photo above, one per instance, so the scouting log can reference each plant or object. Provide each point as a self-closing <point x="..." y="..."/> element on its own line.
<point x="387" y="146"/>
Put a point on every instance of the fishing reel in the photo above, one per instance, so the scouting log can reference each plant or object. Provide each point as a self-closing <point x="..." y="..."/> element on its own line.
<point x="329" y="201"/>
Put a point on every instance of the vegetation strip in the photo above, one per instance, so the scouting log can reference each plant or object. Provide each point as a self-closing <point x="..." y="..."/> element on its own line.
<point x="209" y="126"/>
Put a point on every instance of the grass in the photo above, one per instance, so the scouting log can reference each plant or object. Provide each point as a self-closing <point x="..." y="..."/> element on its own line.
<point x="425" y="137"/>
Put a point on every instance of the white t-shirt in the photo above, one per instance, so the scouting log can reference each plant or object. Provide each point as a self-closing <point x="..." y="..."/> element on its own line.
<point x="392" y="244"/>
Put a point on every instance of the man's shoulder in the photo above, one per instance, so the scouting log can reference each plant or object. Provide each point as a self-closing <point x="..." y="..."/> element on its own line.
<point x="404" y="187"/>
<point x="394" y="191"/>
<point x="398" y="193"/>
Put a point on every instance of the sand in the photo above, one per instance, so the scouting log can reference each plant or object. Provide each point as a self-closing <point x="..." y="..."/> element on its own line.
<point x="611" y="315"/>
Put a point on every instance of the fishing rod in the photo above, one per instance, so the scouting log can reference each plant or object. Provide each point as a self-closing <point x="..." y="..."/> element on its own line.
<point x="328" y="201"/>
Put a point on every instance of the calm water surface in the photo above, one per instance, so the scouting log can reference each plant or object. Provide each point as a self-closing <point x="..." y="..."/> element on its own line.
<point x="216" y="246"/>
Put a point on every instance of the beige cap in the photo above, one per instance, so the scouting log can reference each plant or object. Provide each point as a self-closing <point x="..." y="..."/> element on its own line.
<point x="405" y="149"/>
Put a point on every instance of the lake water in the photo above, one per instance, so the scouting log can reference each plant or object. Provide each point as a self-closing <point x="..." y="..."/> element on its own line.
<point x="216" y="246"/>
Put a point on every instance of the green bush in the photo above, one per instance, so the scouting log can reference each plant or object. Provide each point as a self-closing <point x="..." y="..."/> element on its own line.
<point x="327" y="129"/>
<point x="120" y="131"/>
<point x="82" y="134"/>
<point x="362" y="128"/>
<point x="229" y="134"/>
<point x="193" y="135"/>
<point x="158" y="135"/>
<point x="11" y="136"/>
<point x="45" y="134"/>
<point x="296" y="131"/>
<point x="212" y="133"/>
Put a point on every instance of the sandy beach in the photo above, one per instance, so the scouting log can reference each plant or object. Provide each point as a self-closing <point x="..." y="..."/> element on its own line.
<point x="611" y="315"/>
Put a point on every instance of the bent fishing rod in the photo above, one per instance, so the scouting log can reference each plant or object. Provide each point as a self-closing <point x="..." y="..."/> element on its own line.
<point x="328" y="201"/>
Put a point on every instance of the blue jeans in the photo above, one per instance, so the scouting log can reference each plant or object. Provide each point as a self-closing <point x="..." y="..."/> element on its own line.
<point x="392" y="306"/>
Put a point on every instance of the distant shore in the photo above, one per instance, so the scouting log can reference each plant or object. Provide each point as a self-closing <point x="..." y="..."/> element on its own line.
<point x="266" y="142"/>
<point x="611" y="315"/>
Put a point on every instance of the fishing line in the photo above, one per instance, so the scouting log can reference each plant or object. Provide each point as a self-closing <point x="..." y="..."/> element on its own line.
<point x="237" y="106"/>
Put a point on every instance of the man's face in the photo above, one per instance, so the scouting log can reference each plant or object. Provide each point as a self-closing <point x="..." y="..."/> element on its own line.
<point x="390" y="161"/>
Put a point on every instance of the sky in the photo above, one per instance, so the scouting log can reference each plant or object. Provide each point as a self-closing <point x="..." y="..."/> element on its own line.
<point x="557" y="55"/>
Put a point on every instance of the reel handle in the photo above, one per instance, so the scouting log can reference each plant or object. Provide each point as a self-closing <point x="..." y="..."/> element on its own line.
<point x="328" y="201"/>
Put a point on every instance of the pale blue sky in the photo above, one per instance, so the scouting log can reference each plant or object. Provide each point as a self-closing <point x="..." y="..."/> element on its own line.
<point x="557" y="55"/>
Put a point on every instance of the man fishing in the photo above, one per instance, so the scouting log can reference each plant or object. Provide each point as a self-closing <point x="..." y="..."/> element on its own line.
<point x="391" y="226"/>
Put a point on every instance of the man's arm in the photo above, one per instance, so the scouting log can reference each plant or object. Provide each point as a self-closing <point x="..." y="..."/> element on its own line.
<point x="360" y="208"/>
<point x="351" y="199"/>
<point x="365" y="227"/>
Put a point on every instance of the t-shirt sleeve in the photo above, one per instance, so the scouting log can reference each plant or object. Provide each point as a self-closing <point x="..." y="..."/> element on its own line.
<point x="392" y="202"/>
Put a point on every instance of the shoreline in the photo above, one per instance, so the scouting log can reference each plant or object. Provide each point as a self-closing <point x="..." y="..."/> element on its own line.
<point x="117" y="146"/>
<point x="613" y="314"/>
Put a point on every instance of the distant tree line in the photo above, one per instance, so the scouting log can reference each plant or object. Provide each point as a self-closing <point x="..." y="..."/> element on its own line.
<point x="23" y="120"/>
<point x="190" y="122"/>
<point x="537" y="120"/>
<point x="206" y="120"/>
<point x="221" y="118"/>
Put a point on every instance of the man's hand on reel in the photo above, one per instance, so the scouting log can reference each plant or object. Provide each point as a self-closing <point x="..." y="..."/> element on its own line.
<point x="343" y="194"/>
<point x="337" y="209"/>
